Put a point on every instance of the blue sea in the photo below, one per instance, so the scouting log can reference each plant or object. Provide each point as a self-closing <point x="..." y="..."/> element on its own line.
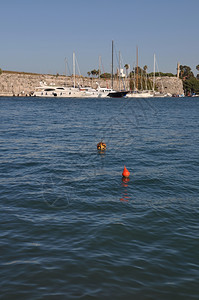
<point x="71" y="227"/>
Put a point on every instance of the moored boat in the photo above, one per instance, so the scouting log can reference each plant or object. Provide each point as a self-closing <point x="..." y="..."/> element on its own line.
<point x="116" y="94"/>
<point x="140" y="94"/>
<point x="56" y="91"/>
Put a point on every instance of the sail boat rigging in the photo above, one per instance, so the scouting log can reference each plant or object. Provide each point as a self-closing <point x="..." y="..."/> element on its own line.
<point x="113" y="93"/>
<point x="136" y="93"/>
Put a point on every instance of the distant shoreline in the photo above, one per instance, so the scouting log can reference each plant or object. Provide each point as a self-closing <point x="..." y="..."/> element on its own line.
<point x="14" y="83"/>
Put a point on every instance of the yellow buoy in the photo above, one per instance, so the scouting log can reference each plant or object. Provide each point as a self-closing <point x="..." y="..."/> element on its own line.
<point x="101" y="146"/>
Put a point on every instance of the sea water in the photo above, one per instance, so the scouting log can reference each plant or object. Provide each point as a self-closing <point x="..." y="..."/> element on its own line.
<point x="71" y="227"/>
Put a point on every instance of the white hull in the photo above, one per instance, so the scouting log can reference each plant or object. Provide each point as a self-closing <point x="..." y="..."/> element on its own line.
<point x="64" y="92"/>
<point x="162" y="95"/>
<point x="141" y="94"/>
<point x="70" y="92"/>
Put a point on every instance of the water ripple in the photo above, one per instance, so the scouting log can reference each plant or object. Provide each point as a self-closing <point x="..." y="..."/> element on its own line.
<point x="71" y="227"/>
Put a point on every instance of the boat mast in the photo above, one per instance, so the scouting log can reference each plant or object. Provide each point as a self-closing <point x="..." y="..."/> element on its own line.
<point x="154" y="73"/>
<point x="137" y="69"/>
<point x="74" y="69"/>
<point x="119" y="72"/>
<point x="99" y="67"/>
<point x="66" y="69"/>
<point x="65" y="66"/>
<point x="112" y="65"/>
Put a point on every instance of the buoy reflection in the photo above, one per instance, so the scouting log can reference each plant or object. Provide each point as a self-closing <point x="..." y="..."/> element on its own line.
<point x="125" y="180"/>
<point x="125" y="196"/>
<point x="101" y="152"/>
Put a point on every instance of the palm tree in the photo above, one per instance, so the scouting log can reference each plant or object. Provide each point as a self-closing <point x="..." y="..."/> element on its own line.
<point x="97" y="72"/>
<point x="126" y="67"/>
<point x="145" y="71"/>
<point x="93" y="72"/>
<point x="145" y="68"/>
<point x="89" y="74"/>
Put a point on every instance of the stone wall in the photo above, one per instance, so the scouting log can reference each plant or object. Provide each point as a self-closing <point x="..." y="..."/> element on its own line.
<point x="172" y="85"/>
<point x="22" y="84"/>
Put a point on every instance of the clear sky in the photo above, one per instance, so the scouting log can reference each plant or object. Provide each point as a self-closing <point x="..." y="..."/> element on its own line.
<point x="38" y="35"/>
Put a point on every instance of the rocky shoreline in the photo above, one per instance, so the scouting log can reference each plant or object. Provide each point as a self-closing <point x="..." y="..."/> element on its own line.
<point x="23" y="84"/>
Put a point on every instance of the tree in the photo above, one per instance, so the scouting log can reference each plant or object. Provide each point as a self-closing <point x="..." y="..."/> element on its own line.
<point x="105" y="75"/>
<point x="185" y="72"/>
<point x="191" y="86"/>
<point x="0" y="71"/>
<point x="89" y="74"/>
<point x="135" y="70"/>
<point x="145" y="68"/>
<point x="97" y="72"/>
<point x="93" y="72"/>
<point x="197" y="68"/>
<point x="126" y="66"/>
<point x="160" y="74"/>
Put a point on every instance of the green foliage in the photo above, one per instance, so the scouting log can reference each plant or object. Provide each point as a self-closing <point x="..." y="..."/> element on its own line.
<point x="94" y="72"/>
<point x="143" y="84"/>
<point x="143" y="71"/>
<point x="161" y="74"/>
<point x="137" y="70"/>
<point x="185" y="72"/>
<point x="105" y="75"/>
<point x="145" y="68"/>
<point x="197" y="68"/>
<point x="191" y="85"/>
<point x="0" y="71"/>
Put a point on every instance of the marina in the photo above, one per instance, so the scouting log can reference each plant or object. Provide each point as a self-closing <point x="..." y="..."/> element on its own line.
<point x="73" y="92"/>
<point x="77" y="86"/>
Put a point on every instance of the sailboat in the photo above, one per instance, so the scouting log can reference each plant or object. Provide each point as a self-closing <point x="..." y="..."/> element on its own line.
<point x="113" y="93"/>
<point x="139" y="93"/>
<point x="155" y="93"/>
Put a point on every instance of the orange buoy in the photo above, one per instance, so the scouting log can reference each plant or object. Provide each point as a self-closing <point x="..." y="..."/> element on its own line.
<point x="125" y="173"/>
<point x="101" y="146"/>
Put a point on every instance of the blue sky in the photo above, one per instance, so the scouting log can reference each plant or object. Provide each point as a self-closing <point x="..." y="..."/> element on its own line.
<point x="37" y="35"/>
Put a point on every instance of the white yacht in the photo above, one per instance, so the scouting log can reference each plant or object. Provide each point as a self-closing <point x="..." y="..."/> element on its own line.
<point x="110" y="93"/>
<point x="69" y="92"/>
<point x="52" y="91"/>
<point x="162" y="95"/>
<point x="88" y="92"/>
<point x="140" y="94"/>
<point x="45" y="90"/>
<point x="104" y="92"/>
